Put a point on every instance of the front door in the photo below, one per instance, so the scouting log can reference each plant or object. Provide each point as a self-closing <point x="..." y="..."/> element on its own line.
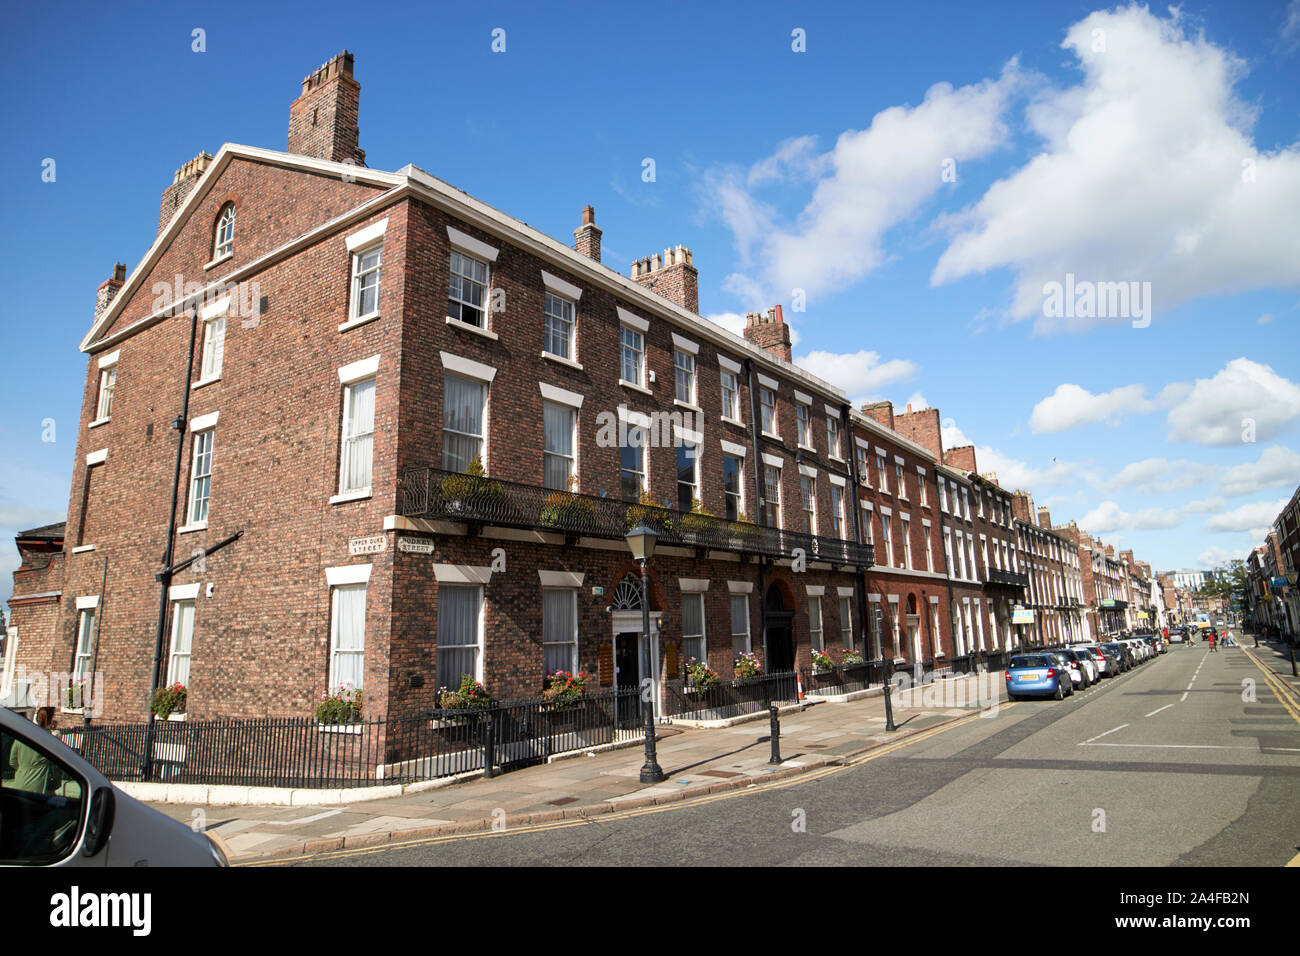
<point x="627" y="675"/>
<point x="780" y="642"/>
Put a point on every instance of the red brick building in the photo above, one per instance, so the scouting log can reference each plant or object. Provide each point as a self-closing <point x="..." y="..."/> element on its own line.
<point x="306" y="371"/>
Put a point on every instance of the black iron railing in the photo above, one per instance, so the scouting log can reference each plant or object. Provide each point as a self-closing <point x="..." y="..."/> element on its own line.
<point x="1011" y="578"/>
<point x="728" y="698"/>
<point x="449" y="496"/>
<point x="843" y="678"/>
<point x="302" y="753"/>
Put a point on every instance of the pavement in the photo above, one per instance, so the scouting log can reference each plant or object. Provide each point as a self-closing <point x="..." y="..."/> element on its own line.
<point x="697" y="762"/>
<point x="1273" y="655"/>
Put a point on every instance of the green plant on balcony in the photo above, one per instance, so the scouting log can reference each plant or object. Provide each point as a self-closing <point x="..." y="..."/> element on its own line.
<point x="746" y="666"/>
<point x="696" y="520"/>
<point x="471" y="490"/>
<point x="649" y="512"/>
<point x="564" y="689"/>
<point x="851" y="656"/>
<point x="341" y="707"/>
<point x="471" y="695"/>
<point x="567" y="511"/>
<point x="822" y="662"/>
<point x="743" y="529"/>
<point x="699" y="676"/>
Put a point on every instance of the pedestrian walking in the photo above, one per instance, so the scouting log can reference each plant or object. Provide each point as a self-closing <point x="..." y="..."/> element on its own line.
<point x="1212" y="640"/>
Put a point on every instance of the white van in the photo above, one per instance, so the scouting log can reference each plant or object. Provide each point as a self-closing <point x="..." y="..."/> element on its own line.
<point x="58" y="810"/>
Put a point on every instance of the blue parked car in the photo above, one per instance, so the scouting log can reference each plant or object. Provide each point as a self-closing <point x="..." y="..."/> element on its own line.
<point x="1036" y="675"/>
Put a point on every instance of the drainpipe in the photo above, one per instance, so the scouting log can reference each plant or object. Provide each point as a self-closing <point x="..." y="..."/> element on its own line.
<point x="760" y="503"/>
<point x="947" y="571"/>
<point x="859" y="579"/>
<point x="164" y="577"/>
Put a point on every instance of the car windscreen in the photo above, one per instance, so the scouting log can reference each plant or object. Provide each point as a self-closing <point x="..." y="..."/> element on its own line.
<point x="1032" y="660"/>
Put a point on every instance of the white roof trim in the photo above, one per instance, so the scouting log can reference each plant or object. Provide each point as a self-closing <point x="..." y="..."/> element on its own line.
<point x="461" y="574"/>
<point x="561" y="579"/>
<point x="685" y="344"/>
<point x="740" y="587"/>
<point x="348" y="574"/>
<point x="628" y="318"/>
<point x="768" y="382"/>
<point x="464" y="366"/>
<point x="358" y="370"/>
<point x="467" y="243"/>
<point x="776" y="461"/>
<point x="97" y="457"/>
<point x="560" y="287"/>
<point x="693" y="585"/>
<point x="88" y="603"/>
<point x="562" y="396"/>
<point x="183" y="592"/>
<point x="729" y="364"/>
<point x="201" y="423"/>
<point x="366" y="236"/>
<point x="731" y="448"/>
<point x="109" y="360"/>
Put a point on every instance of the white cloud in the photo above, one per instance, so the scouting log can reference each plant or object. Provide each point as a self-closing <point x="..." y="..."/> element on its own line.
<point x="1291" y="26"/>
<point x="870" y="181"/>
<point x="859" y="373"/>
<point x="1071" y="405"/>
<point x="1215" y="411"/>
<point x="952" y="436"/>
<point x="1159" y="475"/>
<point x="917" y="401"/>
<point x="1276" y="466"/>
<point x="1247" y="517"/>
<point x="1108" y="517"/>
<point x="1216" y="556"/>
<point x="1015" y="474"/>
<point x="1148" y="173"/>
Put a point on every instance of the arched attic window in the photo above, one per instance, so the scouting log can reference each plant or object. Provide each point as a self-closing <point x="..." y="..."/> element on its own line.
<point x="225" y="240"/>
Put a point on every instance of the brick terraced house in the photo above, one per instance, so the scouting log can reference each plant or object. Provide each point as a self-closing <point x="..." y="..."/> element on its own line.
<point x="343" y="426"/>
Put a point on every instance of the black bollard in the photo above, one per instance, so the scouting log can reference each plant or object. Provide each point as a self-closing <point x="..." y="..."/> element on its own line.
<point x="489" y="746"/>
<point x="775" y="734"/>
<point x="889" y="704"/>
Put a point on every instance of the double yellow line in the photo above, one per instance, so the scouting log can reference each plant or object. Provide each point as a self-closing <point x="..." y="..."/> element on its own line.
<point x="1281" y="690"/>
<point x="795" y="780"/>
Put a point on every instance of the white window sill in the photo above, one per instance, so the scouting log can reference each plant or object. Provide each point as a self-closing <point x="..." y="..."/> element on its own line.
<point x="636" y="388"/>
<point x="99" y="421"/>
<point x="72" y="710"/>
<point x="772" y="435"/>
<point x="838" y="459"/>
<point x="359" y="495"/>
<point x="688" y="406"/>
<point x="83" y="549"/>
<point x="810" y="448"/>
<point x="465" y="326"/>
<point x="733" y="421"/>
<point x="196" y="526"/>
<point x="220" y="259"/>
<point x="205" y="381"/>
<point x="359" y="320"/>
<point x="551" y="356"/>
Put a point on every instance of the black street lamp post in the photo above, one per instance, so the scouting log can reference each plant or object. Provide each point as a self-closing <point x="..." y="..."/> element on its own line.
<point x="641" y="540"/>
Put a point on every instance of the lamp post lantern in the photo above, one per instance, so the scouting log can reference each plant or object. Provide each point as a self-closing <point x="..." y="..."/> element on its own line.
<point x="641" y="541"/>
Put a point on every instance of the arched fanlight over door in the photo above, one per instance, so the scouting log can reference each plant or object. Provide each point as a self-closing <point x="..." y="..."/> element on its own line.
<point x="627" y="596"/>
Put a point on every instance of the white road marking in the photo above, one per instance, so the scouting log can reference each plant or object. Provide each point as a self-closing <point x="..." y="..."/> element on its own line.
<point x="1195" y="747"/>
<point x="1158" y="709"/>
<point x="1194" y="676"/>
<point x="311" y="819"/>
<point x="1099" y="736"/>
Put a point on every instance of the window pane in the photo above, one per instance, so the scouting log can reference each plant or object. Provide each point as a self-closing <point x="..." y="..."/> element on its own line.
<point x="358" y="436"/>
<point x="559" y="630"/>
<point x="462" y="421"/>
<point x="693" y="626"/>
<point x="459" y="611"/>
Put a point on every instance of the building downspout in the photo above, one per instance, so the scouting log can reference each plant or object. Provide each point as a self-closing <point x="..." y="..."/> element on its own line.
<point x="759" y="501"/>
<point x="164" y="577"/>
<point x="860" y="578"/>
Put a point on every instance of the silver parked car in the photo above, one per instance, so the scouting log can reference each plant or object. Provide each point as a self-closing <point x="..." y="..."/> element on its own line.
<point x="58" y="810"/>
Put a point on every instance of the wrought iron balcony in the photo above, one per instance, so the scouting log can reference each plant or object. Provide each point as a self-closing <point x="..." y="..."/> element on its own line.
<point x="1010" y="578"/>
<point x="449" y="496"/>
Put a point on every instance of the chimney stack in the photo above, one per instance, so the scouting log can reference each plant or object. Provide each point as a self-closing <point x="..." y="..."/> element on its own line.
<point x="675" y="278"/>
<point x="962" y="458"/>
<point x="923" y="428"/>
<point x="882" y="412"/>
<point x="183" y="183"/>
<point x="1044" y="518"/>
<point x="323" y="120"/>
<point x="586" y="238"/>
<point x="108" y="290"/>
<point x="769" y="332"/>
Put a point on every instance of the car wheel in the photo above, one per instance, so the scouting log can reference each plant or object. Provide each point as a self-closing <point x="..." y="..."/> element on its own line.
<point x="1060" y="694"/>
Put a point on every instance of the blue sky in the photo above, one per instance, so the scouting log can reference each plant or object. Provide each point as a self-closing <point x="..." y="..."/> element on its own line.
<point x="918" y="171"/>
